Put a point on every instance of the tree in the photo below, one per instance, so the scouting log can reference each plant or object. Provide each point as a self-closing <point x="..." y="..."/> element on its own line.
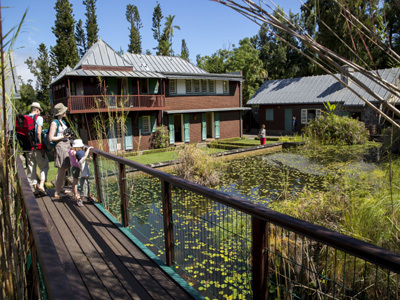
<point x="135" y="40"/>
<point x="169" y="31"/>
<point x="65" y="51"/>
<point x="81" y="38"/>
<point x="41" y="69"/>
<point x="92" y="29"/>
<point x="28" y="95"/>
<point x="157" y="17"/>
<point x="164" y="46"/>
<point x="216" y="63"/>
<point x="184" y="50"/>
<point x="392" y="12"/>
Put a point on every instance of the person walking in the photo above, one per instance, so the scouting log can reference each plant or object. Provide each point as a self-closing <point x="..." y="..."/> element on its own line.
<point x="62" y="146"/>
<point x="262" y="135"/>
<point x="37" y="157"/>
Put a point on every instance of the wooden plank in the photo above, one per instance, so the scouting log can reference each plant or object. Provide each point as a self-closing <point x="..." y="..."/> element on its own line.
<point x="106" y="229"/>
<point x="169" y="285"/>
<point x="93" y="229"/>
<point x="75" y="280"/>
<point x="88" y="274"/>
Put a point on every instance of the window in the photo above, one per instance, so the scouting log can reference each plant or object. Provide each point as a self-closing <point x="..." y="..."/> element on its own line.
<point x="269" y="114"/>
<point x="196" y="86"/>
<point x="188" y="86"/>
<point x="225" y="85"/>
<point x="146" y="126"/>
<point x="172" y="86"/>
<point x="309" y="114"/>
<point x="211" y="86"/>
<point x="204" y="86"/>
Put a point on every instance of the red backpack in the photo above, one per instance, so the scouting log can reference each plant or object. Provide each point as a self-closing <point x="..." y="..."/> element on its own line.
<point x="26" y="133"/>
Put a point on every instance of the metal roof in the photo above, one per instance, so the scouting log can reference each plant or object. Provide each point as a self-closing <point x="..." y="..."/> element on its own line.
<point x="210" y="76"/>
<point x="101" y="54"/>
<point x="323" y="88"/>
<point x="102" y="73"/>
<point x="162" y="64"/>
<point x="62" y="74"/>
<point x="206" y="110"/>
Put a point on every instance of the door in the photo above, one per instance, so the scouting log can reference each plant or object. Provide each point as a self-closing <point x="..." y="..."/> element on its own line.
<point x="288" y="119"/>
<point x="112" y="91"/>
<point x="178" y="128"/>
<point x="128" y="135"/>
<point x="210" y="125"/>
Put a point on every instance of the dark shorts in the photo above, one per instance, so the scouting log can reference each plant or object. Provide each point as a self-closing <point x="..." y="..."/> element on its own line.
<point x="76" y="172"/>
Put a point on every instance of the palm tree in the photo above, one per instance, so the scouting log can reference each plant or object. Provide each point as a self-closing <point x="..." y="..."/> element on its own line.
<point x="169" y="28"/>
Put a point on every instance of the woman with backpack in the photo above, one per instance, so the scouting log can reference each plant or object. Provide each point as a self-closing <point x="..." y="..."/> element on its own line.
<point x="62" y="146"/>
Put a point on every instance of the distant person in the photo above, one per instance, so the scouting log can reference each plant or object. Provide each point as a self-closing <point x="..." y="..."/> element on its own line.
<point x="294" y="124"/>
<point x="262" y="135"/>
<point x="61" y="159"/>
<point x="83" y="157"/>
<point x="37" y="157"/>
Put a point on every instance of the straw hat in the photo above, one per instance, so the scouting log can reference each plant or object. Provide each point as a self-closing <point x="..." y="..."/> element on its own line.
<point x="59" y="109"/>
<point x="36" y="105"/>
<point x="77" y="144"/>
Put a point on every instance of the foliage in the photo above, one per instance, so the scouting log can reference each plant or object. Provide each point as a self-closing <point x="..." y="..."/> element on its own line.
<point x="292" y="138"/>
<point x="92" y="28"/>
<point x="391" y="140"/>
<point x="165" y="44"/>
<point x="216" y="63"/>
<point x="65" y="52"/>
<point x="184" y="50"/>
<point x="195" y="165"/>
<point x="160" y="138"/>
<point x="331" y="129"/>
<point x="135" y="40"/>
<point x="28" y="95"/>
<point x="156" y="27"/>
<point x="81" y="38"/>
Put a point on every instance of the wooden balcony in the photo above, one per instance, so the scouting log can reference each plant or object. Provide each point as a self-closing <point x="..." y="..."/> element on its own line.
<point x="100" y="103"/>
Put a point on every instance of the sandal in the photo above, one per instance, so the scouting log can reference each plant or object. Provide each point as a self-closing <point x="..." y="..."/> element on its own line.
<point x="60" y="196"/>
<point x="79" y="202"/>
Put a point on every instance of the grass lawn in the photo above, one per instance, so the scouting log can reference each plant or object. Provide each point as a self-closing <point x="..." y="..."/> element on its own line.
<point x="251" y="142"/>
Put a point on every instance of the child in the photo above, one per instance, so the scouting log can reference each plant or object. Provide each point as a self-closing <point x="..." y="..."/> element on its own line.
<point x="84" y="167"/>
<point x="76" y="146"/>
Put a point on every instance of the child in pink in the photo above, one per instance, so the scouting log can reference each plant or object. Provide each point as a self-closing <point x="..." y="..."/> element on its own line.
<point x="76" y="171"/>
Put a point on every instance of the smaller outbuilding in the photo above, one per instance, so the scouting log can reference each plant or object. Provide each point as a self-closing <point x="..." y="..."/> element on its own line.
<point x="287" y="105"/>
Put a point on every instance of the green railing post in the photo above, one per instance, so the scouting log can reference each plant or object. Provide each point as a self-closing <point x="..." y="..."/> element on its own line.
<point x="122" y="185"/>
<point x="260" y="258"/>
<point x="97" y="177"/>
<point x="167" y="218"/>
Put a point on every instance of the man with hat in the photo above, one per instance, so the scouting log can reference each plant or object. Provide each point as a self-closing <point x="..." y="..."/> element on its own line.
<point x="37" y="157"/>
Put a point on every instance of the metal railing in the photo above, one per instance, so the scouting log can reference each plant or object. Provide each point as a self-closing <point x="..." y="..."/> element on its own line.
<point x="229" y="248"/>
<point x="49" y="278"/>
<point x="95" y="103"/>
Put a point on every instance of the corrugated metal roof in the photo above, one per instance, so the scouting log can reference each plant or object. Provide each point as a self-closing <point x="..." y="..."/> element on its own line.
<point x="102" y="73"/>
<point x="183" y="111"/>
<point x="101" y="54"/>
<point x="162" y="64"/>
<point x="62" y="74"/>
<point x="206" y="76"/>
<point x="319" y="89"/>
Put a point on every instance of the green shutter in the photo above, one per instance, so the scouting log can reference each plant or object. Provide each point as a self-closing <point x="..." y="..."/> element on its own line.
<point x="153" y="123"/>
<point x="171" y="129"/>
<point x="128" y="135"/>
<point x="140" y="125"/>
<point x="111" y="86"/>
<point x="203" y="127"/>
<point x="186" y="126"/>
<point x="153" y="86"/>
<point x="216" y="125"/>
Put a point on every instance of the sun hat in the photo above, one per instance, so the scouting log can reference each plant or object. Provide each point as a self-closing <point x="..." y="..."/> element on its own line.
<point x="36" y="105"/>
<point x="59" y="109"/>
<point x="77" y="144"/>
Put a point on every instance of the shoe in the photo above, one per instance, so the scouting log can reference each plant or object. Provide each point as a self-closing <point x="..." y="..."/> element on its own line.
<point x="59" y="196"/>
<point x="79" y="202"/>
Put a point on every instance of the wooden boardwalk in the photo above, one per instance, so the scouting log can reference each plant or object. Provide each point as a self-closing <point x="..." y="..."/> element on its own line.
<point x="99" y="260"/>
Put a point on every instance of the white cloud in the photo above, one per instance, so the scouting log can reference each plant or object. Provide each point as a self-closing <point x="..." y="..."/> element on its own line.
<point x="22" y="68"/>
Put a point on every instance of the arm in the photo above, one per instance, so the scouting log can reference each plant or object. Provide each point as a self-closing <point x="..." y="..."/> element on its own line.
<point x="86" y="154"/>
<point x="52" y="132"/>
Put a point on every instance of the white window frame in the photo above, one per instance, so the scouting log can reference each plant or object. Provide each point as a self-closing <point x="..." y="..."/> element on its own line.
<point x="172" y="86"/>
<point x="211" y="86"/>
<point x="225" y="86"/>
<point x="269" y="114"/>
<point x="146" y="124"/>
<point x="204" y="86"/>
<point x="304" y="115"/>
<point x="196" y="86"/>
<point x="188" y="86"/>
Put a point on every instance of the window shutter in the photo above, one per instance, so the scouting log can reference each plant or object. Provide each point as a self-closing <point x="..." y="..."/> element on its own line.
<point x="140" y="125"/>
<point x="203" y="127"/>
<point x="186" y="126"/>
<point x="128" y="135"/>
<point x="216" y="125"/>
<point x="153" y="123"/>
<point x="153" y="86"/>
<point x="112" y="139"/>
<point x="317" y="113"/>
<point x="304" y="116"/>
<point x="171" y="129"/>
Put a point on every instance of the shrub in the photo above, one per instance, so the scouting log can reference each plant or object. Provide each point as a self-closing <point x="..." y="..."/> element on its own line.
<point x="160" y="139"/>
<point x="391" y="140"/>
<point x="332" y="129"/>
<point x="197" y="166"/>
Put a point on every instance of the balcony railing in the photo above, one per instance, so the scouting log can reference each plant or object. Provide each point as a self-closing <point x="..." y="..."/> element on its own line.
<point x="229" y="248"/>
<point x="94" y="103"/>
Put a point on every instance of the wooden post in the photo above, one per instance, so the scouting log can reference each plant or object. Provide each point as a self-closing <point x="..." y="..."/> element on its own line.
<point x="167" y="218"/>
<point x="124" y="204"/>
<point x="260" y="259"/>
<point x="97" y="178"/>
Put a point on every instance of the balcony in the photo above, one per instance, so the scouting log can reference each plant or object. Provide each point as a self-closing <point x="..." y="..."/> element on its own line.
<point x="100" y="103"/>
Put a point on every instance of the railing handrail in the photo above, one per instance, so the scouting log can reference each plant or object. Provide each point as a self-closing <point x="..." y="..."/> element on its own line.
<point x="369" y="252"/>
<point x="56" y="281"/>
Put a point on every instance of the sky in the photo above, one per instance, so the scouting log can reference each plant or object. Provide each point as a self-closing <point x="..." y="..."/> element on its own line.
<point x="205" y="25"/>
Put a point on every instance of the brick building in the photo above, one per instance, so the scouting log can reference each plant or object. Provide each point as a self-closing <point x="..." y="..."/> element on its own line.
<point x="147" y="91"/>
